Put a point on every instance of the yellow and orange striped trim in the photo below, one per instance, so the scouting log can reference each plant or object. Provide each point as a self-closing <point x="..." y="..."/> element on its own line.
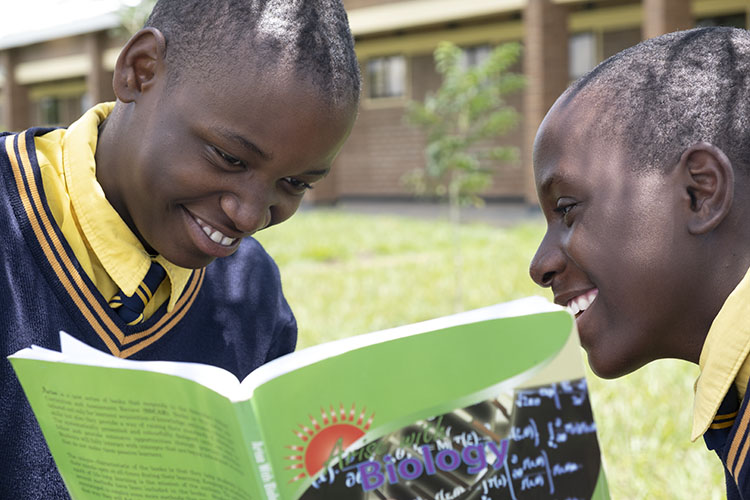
<point x="739" y="447"/>
<point x="84" y="296"/>
<point x="724" y="421"/>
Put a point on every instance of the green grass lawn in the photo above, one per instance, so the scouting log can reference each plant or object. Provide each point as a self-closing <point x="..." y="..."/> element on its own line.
<point x="347" y="274"/>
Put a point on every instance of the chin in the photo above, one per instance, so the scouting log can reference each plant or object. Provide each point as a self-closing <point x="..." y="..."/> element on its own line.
<point x="188" y="261"/>
<point x="611" y="367"/>
<point x="193" y="263"/>
<point x="605" y="372"/>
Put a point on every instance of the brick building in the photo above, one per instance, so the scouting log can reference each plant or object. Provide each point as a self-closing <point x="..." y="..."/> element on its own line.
<point x="49" y="74"/>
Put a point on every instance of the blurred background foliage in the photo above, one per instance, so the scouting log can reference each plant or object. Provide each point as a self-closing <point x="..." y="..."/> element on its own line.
<point x="464" y="121"/>
<point x="468" y="108"/>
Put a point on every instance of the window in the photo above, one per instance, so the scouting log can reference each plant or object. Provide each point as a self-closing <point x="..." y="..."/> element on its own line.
<point x="581" y="54"/>
<point x="55" y="110"/>
<point x="386" y="77"/>
<point x="49" y="111"/>
<point x="474" y="56"/>
<point x="58" y="103"/>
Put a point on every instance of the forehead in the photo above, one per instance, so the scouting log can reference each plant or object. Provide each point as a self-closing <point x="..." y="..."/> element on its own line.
<point x="254" y="75"/>
<point x="251" y="80"/>
<point x="576" y="142"/>
<point x="270" y="104"/>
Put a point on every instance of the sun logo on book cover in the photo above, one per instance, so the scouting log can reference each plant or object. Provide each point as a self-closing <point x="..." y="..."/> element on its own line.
<point x="337" y="430"/>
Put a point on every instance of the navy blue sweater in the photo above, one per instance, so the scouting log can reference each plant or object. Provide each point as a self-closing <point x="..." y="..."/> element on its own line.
<point x="729" y="437"/>
<point x="231" y="314"/>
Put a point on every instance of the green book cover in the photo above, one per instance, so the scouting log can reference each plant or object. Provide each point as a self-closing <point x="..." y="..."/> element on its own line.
<point x="484" y="405"/>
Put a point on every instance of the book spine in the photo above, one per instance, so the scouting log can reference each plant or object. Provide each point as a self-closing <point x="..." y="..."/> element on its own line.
<point x="264" y="477"/>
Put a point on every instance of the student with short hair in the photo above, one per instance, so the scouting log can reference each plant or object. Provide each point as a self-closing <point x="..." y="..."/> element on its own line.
<point x="130" y="229"/>
<point x="642" y="169"/>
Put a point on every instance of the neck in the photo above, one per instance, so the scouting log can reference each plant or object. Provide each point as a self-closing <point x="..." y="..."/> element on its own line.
<point x="727" y="252"/>
<point x="112" y="151"/>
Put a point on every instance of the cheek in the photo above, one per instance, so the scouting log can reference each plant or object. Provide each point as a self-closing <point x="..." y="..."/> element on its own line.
<point x="175" y="161"/>
<point x="285" y="210"/>
<point x="634" y="231"/>
<point x="180" y="178"/>
<point x="622" y="254"/>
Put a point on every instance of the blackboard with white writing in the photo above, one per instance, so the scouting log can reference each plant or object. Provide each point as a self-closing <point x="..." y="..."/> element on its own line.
<point x="531" y="443"/>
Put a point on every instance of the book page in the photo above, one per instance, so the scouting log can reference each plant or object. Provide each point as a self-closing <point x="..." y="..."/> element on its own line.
<point x="121" y="433"/>
<point x="314" y="354"/>
<point x="74" y="351"/>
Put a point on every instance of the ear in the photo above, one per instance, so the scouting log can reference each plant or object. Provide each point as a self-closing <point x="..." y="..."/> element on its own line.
<point x="709" y="185"/>
<point x="140" y="64"/>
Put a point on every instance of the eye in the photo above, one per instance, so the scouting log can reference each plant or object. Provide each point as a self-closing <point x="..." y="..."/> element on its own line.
<point x="563" y="210"/>
<point x="229" y="159"/>
<point x="564" y="207"/>
<point x="298" y="185"/>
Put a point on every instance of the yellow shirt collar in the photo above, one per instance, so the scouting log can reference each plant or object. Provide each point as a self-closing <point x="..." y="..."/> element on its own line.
<point x="115" y="245"/>
<point x="724" y="355"/>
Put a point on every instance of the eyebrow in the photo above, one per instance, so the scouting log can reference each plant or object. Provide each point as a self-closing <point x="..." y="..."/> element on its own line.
<point x="548" y="182"/>
<point x="244" y="143"/>
<point x="321" y="173"/>
<point x="556" y="177"/>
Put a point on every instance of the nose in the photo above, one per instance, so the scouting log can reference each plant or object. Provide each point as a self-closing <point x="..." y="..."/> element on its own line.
<point x="548" y="262"/>
<point x="249" y="211"/>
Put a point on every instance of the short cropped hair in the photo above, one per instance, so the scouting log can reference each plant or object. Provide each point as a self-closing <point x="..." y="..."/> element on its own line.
<point x="309" y="36"/>
<point x="667" y="93"/>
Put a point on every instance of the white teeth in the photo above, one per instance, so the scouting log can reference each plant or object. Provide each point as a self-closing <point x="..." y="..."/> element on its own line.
<point x="214" y="234"/>
<point x="582" y="302"/>
<point x="574" y="308"/>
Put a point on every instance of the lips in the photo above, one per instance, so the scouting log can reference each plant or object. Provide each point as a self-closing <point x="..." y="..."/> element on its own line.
<point x="581" y="302"/>
<point x="207" y="239"/>
<point x="214" y="234"/>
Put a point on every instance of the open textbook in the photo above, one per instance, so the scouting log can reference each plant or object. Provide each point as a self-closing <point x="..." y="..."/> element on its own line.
<point x="484" y="405"/>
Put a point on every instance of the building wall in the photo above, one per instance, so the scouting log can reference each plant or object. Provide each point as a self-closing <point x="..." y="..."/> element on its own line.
<point x="618" y="40"/>
<point x="383" y="146"/>
<point x="54" y="81"/>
